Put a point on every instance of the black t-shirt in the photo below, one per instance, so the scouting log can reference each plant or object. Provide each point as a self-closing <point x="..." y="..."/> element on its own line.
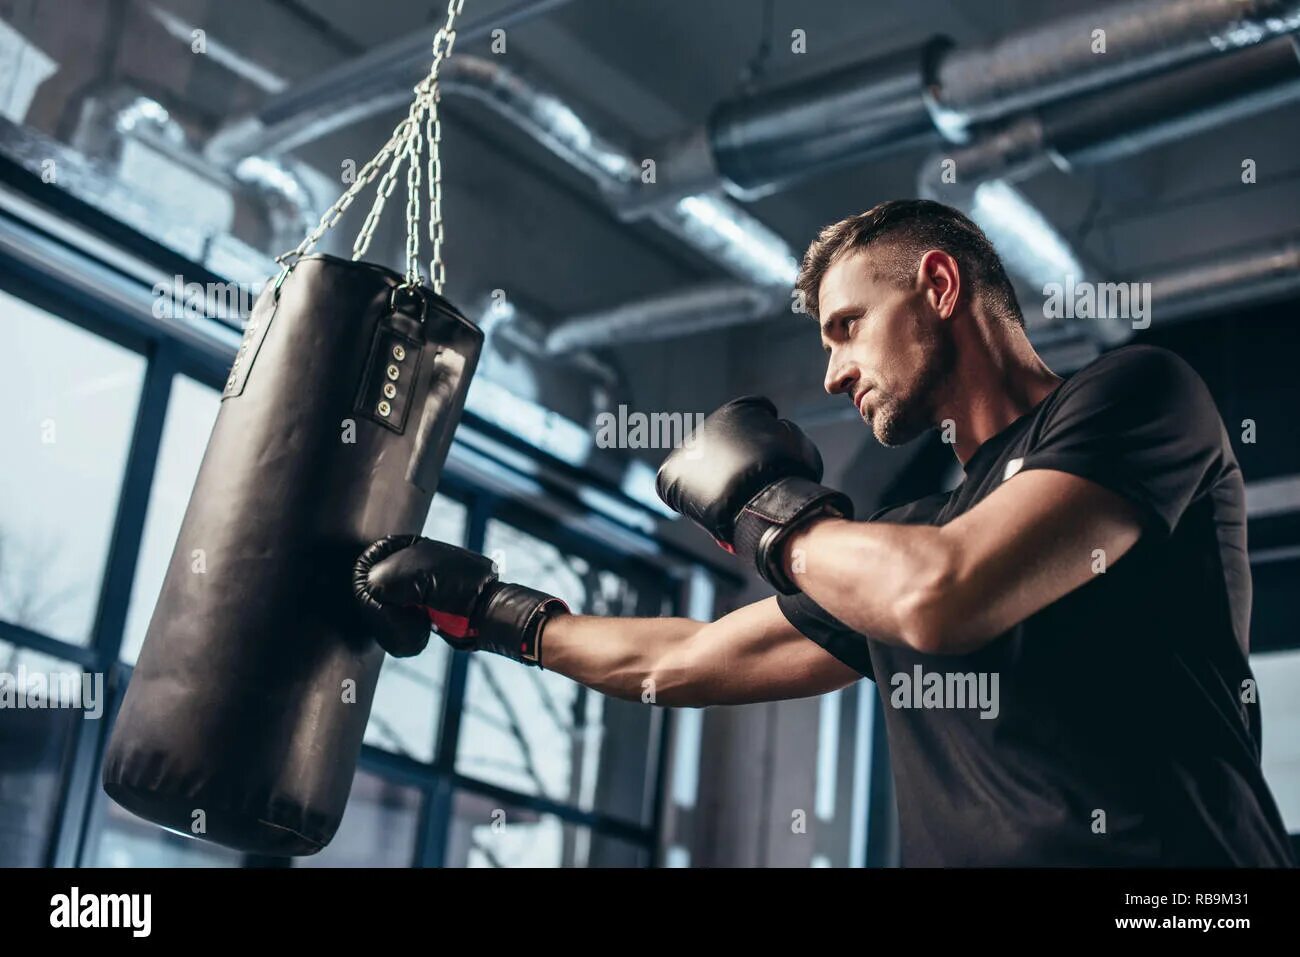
<point x="1117" y="725"/>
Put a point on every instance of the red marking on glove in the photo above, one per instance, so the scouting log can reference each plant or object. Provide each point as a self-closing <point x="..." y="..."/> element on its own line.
<point x="729" y="549"/>
<point x="457" y="626"/>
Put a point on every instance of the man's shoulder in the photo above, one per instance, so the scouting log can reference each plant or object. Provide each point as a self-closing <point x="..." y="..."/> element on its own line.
<point x="1139" y="366"/>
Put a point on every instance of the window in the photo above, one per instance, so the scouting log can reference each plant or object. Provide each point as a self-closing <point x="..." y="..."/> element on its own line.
<point x="70" y="400"/>
<point x="379" y="829"/>
<point x="537" y="732"/>
<point x="572" y="770"/>
<point x="484" y="833"/>
<point x="128" y="841"/>
<point x="1278" y="675"/>
<point x="33" y="745"/>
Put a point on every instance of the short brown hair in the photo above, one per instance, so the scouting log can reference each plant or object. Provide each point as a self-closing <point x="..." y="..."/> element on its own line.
<point x="910" y="227"/>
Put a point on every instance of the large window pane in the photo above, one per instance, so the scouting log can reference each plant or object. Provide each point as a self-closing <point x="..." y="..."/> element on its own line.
<point x="128" y="841"/>
<point x="379" y="828"/>
<point x="191" y="411"/>
<point x="484" y="833"/>
<point x="33" y="746"/>
<point x="70" y="402"/>
<point x="408" y="701"/>
<point x="1278" y="675"/>
<point x="539" y="733"/>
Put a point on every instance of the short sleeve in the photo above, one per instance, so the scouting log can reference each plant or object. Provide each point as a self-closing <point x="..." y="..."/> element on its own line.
<point x="817" y="624"/>
<point x="1141" y="423"/>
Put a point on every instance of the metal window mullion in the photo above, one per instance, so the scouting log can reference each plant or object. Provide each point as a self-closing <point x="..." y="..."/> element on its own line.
<point x="439" y="799"/>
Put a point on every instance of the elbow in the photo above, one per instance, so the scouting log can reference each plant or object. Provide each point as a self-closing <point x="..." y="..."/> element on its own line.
<point x="928" y="614"/>
<point x="923" y="625"/>
<point x="672" y="682"/>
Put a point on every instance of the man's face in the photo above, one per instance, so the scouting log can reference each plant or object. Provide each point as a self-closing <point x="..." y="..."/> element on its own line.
<point x="889" y="350"/>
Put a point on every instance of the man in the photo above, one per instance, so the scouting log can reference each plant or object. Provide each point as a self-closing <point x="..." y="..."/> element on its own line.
<point x="1060" y="642"/>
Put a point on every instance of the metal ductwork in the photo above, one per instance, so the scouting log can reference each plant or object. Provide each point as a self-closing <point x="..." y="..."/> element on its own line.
<point x="861" y="112"/>
<point x="912" y="97"/>
<point x="1265" y="273"/>
<point x="1108" y="126"/>
<point x="768" y="141"/>
<point x="680" y="313"/>
<point x="715" y="227"/>
<point x="1064" y="58"/>
<point x="117" y="115"/>
<point x="979" y="178"/>
<point x="377" y="80"/>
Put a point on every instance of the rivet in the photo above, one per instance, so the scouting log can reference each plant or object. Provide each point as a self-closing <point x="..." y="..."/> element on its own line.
<point x="384" y="408"/>
<point x="393" y="371"/>
<point x="399" y="352"/>
<point x="390" y="390"/>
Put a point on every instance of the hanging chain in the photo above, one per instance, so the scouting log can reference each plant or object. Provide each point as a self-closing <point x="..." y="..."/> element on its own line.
<point x="405" y="145"/>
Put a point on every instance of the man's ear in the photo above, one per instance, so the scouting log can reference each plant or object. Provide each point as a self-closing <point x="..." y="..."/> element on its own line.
<point x="940" y="277"/>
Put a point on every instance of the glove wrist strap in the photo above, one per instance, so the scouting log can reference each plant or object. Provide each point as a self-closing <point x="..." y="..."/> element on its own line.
<point x="775" y="513"/>
<point x="513" y="619"/>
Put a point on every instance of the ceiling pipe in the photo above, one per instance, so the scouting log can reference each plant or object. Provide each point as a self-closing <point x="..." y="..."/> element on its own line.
<point x="914" y="97"/>
<point x="1260" y="274"/>
<point x="714" y="226"/>
<point x="371" y="83"/>
<point x="1093" y="129"/>
<point x="1064" y="57"/>
<point x="679" y="313"/>
<point x="979" y="178"/>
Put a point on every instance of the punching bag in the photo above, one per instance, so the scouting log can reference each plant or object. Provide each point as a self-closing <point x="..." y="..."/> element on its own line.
<point x="244" y="717"/>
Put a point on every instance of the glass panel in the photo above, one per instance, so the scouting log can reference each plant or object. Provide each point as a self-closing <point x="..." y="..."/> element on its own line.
<point x="34" y="739"/>
<point x="408" y="701"/>
<point x="379" y="827"/>
<point x="191" y="411"/>
<point x="70" y="400"/>
<point x="539" y="733"/>
<point x="1278" y="675"/>
<point x="484" y="833"/>
<point x="128" y="841"/>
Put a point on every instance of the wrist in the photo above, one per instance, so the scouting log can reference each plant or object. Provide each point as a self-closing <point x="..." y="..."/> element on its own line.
<point x="770" y="522"/>
<point x="512" y="620"/>
<point x="795" y="546"/>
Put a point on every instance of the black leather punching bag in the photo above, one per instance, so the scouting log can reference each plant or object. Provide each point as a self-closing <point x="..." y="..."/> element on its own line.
<point x="244" y="717"/>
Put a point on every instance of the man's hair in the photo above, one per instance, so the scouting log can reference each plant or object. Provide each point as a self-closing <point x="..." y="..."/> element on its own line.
<point x="901" y="230"/>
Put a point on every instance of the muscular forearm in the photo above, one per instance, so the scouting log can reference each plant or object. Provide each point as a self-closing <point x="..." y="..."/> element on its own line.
<point x="883" y="580"/>
<point x="748" y="655"/>
<point x="620" y="657"/>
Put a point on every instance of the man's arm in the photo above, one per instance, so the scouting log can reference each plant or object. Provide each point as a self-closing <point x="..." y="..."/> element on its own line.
<point x="408" y="583"/>
<point x="752" y="654"/>
<point x="953" y="588"/>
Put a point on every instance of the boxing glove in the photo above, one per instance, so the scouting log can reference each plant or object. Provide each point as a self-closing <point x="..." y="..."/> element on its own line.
<point x="749" y="479"/>
<point x="410" y="583"/>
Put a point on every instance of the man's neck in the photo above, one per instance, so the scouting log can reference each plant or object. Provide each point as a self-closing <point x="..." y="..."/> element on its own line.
<point x="995" y="382"/>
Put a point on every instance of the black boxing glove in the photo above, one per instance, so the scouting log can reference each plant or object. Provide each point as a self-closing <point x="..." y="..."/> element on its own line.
<point x="412" y="582"/>
<point x="750" y="479"/>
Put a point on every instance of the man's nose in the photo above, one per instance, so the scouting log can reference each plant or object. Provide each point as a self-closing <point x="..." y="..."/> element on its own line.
<point x="840" y="377"/>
